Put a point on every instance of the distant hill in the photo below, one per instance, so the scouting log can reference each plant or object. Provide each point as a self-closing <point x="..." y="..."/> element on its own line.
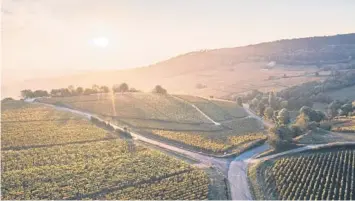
<point x="220" y="72"/>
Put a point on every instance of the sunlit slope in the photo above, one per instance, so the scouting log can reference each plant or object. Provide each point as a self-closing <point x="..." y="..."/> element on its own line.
<point x="179" y="120"/>
<point x="68" y="165"/>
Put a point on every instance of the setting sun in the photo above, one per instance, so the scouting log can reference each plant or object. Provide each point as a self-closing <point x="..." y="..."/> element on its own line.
<point x="100" y="42"/>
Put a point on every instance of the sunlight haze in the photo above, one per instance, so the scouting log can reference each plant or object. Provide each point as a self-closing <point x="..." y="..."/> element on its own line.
<point x="50" y="37"/>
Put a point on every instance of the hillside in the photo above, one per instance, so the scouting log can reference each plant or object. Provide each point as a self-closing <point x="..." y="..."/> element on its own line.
<point x="220" y="72"/>
<point x="199" y="124"/>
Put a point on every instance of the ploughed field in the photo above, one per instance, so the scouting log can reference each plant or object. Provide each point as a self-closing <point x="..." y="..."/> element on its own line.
<point x="325" y="174"/>
<point x="48" y="154"/>
<point x="175" y="119"/>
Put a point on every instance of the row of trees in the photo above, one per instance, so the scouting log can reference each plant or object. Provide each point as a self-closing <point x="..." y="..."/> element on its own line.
<point x="95" y="89"/>
<point x="341" y="108"/>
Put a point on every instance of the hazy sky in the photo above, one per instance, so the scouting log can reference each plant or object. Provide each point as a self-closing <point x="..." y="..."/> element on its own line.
<point x="41" y="36"/>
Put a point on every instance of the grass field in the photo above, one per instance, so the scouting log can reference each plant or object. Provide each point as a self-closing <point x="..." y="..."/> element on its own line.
<point x="325" y="174"/>
<point x="106" y="168"/>
<point x="174" y="119"/>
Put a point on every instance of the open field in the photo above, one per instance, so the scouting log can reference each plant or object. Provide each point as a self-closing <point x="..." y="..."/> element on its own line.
<point x="105" y="168"/>
<point x="323" y="174"/>
<point x="174" y="120"/>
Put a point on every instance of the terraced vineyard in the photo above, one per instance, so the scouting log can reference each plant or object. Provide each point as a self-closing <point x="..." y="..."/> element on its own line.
<point x="327" y="174"/>
<point x="104" y="169"/>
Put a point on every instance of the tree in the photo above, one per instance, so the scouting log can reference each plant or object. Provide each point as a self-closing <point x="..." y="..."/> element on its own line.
<point x="269" y="112"/>
<point x="312" y="115"/>
<point x="254" y="103"/>
<point x="123" y="87"/>
<point x="40" y="93"/>
<point x="27" y="93"/>
<point x="333" y="109"/>
<point x="72" y="90"/>
<point x="280" y="138"/>
<point x="95" y="88"/>
<point x="88" y="91"/>
<point x="302" y="122"/>
<point x="104" y="89"/>
<point x="272" y="100"/>
<point x="240" y="101"/>
<point x="261" y="109"/>
<point x="283" y="117"/>
<point x="284" y="104"/>
<point x="79" y="91"/>
<point x="159" y="89"/>
<point x="346" y="109"/>
<point x="133" y="90"/>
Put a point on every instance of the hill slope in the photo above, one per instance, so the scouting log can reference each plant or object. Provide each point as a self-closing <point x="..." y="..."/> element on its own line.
<point x="222" y="71"/>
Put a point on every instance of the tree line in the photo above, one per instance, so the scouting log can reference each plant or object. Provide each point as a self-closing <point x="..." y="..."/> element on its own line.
<point x="78" y="91"/>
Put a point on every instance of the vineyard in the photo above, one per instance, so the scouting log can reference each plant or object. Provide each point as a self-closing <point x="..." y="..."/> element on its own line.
<point x="217" y="110"/>
<point x="42" y="126"/>
<point x="327" y="174"/>
<point x="174" y="119"/>
<point x="212" y="142"/>
<point x="135" y="106"/>
<point x="78" y="168"/>
<point x="348" y="125"/>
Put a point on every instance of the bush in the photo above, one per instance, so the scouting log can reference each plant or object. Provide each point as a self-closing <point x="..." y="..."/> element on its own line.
<point x="296" y="130"/>
<point x="159" y="90"/>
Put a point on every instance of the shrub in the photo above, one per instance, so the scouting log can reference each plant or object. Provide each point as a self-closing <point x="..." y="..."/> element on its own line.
<point x="159" y="90"/>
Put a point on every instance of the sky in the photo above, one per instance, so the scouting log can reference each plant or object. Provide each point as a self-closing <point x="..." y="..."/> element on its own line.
<point x="55" y="37"/>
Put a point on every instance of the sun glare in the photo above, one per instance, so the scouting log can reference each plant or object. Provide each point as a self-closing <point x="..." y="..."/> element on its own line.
<point x="100" y="42"/>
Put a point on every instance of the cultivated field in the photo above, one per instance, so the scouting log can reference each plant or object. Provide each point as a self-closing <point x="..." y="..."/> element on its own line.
<point x="217" y="110"/>
<point x="325" y="174"/>
<point x="174" y="119"/>
<point x="345" y="124"/>
<point x="52" y="162"/>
